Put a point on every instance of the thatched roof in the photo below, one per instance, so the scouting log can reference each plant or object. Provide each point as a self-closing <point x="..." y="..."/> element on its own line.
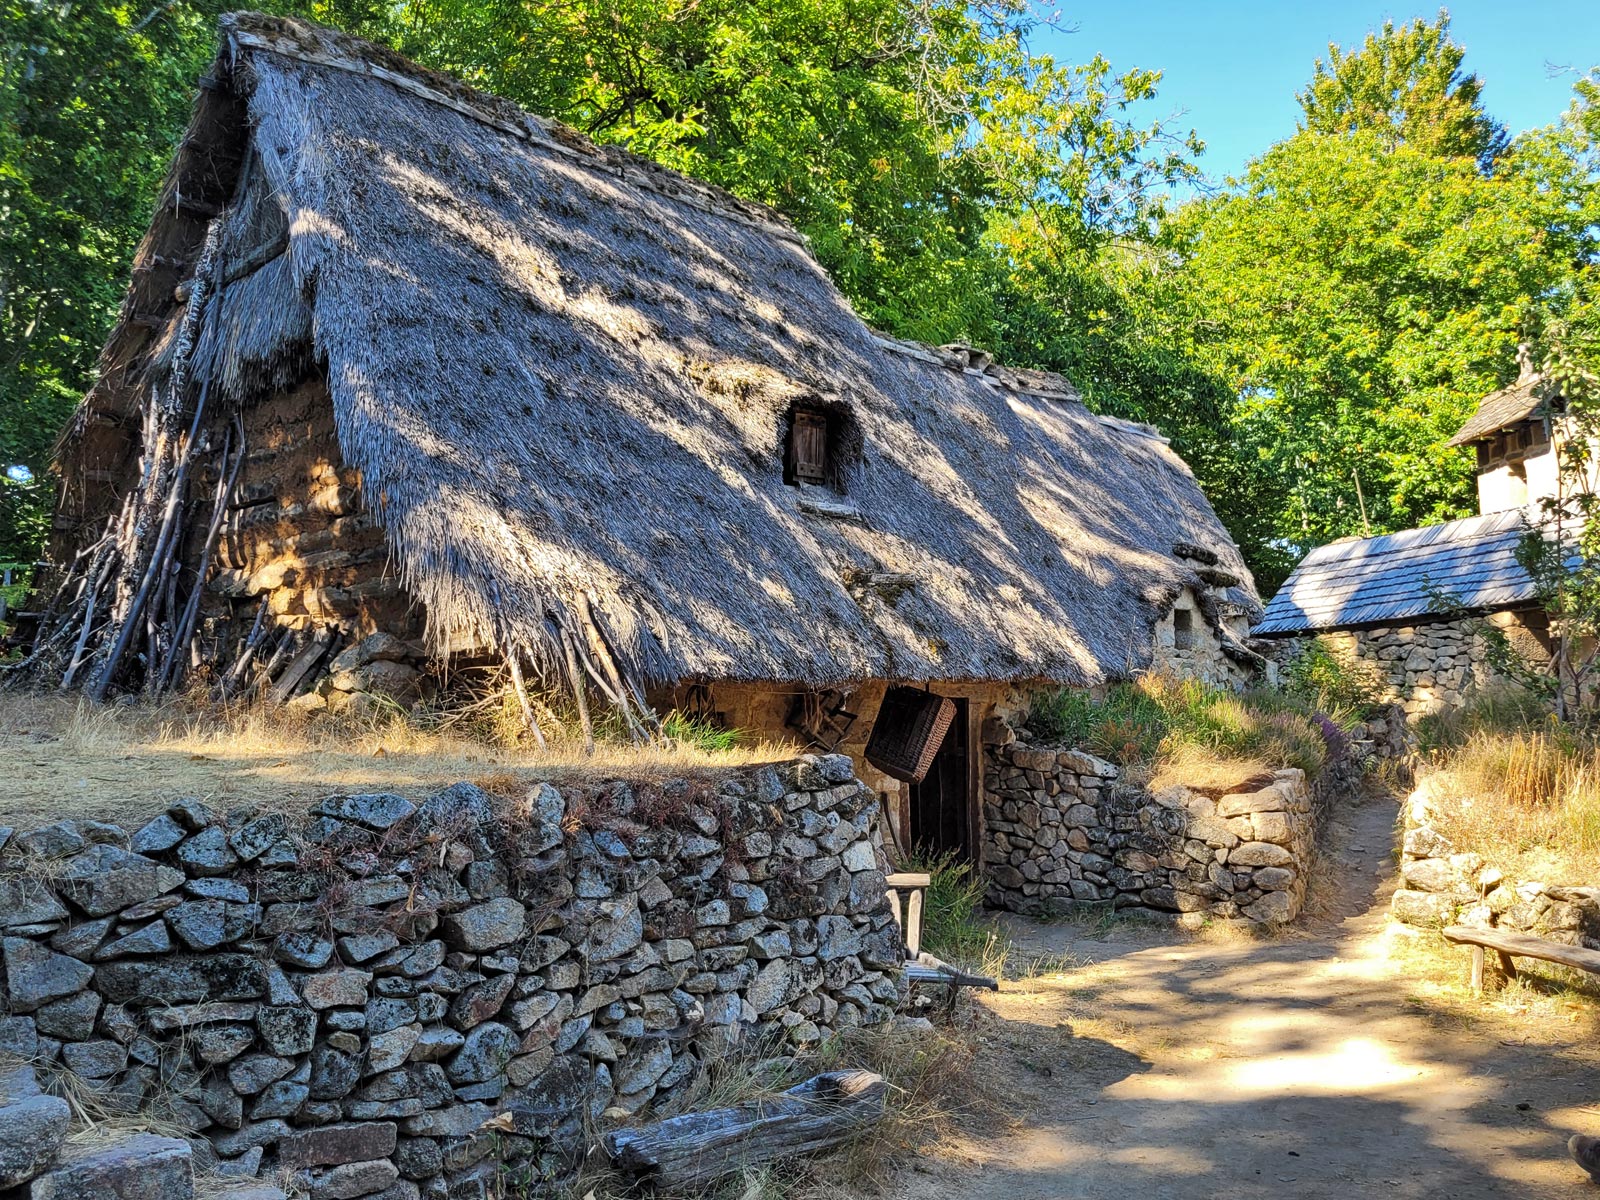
<point x="565" y="374"/>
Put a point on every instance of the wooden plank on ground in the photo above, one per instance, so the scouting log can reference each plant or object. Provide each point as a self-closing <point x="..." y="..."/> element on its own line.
<point x="691" y="1151"/>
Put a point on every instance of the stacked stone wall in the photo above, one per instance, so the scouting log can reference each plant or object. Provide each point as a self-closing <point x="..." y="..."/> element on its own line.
<point x="1441" y="885"/>
<point x="404" y="1000"/>
<point x="1436" y="666"/>
<point x="1062" y="829"/>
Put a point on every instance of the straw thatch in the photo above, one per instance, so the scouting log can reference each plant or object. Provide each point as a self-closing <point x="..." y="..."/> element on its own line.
<point x="565" y="376"/>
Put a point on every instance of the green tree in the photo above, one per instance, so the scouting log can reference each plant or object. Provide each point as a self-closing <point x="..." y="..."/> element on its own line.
<point x="92" y="101"/>
<point x="1407" y="86"/>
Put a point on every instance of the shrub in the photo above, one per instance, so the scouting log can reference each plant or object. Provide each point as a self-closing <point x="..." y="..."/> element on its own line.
<point x="1325" y="678"/>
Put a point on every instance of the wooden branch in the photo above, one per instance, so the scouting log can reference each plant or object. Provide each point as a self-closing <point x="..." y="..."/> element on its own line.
<point x="693" y="1150"/>
<point x="514" y="662"/>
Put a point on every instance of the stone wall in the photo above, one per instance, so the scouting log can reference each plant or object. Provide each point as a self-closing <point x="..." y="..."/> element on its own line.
<point x="1434" y="667"/>
<point x="1061" y="829"/>
<point x="1441" y="886"/>
<point x="406" y="1000"/>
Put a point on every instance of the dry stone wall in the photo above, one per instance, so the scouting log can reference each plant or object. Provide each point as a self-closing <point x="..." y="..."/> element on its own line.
<point x="1436" y="666"/>
<point x="1062" y="830"/>
<point x="1440" y="885"/>
<point x="428" y="1000"/>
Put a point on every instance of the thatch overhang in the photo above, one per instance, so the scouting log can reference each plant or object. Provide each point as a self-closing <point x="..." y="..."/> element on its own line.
<point x="566" y="374"/>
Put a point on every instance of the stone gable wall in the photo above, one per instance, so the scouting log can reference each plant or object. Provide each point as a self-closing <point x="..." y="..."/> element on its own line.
<point x="377" y="983"/>
<point x="1061" y="828"/>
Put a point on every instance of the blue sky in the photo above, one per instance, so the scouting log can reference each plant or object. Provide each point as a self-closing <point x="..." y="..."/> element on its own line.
<point x="1234" y="66"/>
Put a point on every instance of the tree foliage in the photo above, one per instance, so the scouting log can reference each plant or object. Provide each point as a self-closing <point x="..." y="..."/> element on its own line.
<point x="1406" y="86"/>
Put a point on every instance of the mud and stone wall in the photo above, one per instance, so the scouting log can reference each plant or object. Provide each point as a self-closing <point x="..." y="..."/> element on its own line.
<point x="1062" y="829"/>
<point x="429" y="999"/>
<point x="1442" y="885"/>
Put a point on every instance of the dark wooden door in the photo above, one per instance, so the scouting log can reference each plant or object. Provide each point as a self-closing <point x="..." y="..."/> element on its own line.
<point x="941" y="803"/>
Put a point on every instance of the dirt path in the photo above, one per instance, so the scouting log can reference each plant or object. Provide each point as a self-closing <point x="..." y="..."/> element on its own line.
<point x="1177" y="1069"/>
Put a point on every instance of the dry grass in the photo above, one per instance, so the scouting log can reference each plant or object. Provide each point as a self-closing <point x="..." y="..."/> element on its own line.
<point x="1528" y="801"/>
<point x="69" y="759"/>
<point x="1547" y="1005"/>
<point x="1207" y="770"/>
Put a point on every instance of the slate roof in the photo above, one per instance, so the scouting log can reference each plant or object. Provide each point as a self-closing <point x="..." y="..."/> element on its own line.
<point x="1372" y="581"/>
<point x="1509" y="405"/>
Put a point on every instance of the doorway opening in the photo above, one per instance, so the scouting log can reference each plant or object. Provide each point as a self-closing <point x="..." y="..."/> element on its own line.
<point x="941" y="810"/>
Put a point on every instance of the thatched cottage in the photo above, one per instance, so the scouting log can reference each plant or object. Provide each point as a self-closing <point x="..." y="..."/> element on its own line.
<point x="1413" y="605"/>
<point x="399" y="358"/>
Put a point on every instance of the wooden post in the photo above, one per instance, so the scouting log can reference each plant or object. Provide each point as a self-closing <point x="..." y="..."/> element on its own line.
<point x="1477" y="970"/>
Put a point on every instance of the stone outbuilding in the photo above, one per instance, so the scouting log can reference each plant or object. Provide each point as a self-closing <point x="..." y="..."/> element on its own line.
<point x="1414" y="604"/>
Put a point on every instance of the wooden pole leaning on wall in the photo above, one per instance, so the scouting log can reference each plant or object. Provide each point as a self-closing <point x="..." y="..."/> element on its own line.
<point x="520" y="687"/>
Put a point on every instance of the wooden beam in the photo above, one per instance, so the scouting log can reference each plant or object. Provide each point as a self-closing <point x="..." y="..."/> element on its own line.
<point x="697" y="1148"/>
<point x="1520" y="945"/>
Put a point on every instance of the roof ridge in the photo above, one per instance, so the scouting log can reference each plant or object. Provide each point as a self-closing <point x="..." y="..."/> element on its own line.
<point x="334" y="49"/>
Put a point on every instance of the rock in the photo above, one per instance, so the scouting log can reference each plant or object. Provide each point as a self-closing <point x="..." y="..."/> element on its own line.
<point x="767" y="989"/>
<point x="836" y="937"/>
<point x="1273" y="908"/>
<point x="620" y="929"/>
<point x="287" y="1031"/>
<point x="248" y="1137"/>
<point x="437" y="1044"/>
<point x="215" y="1044"/>
<point x="302" y="950"/>
<point x="486" y="926"/>
<point x="181" y="980"/>
<point x="19" y="1037"/>
<point x="208" y="853"/>
<point x="35" y="975"/>
<point x="148" y="939"/>
<point x="1272" y="827"/>
<point x="253" y="1072"/>
<point x="167" y="1019"/>
<point x="105" y="879"/>
<point x="1274" y="879"/>
<point x="481" y="1001"/>
<point x="643" y="1067"/>
<point x="71" y="1019"/>
<point x="83" y="939"/>
<point x="390" y="1049"/>
<point x="339" y="988"/>
<point x="134" y="1166"/>
<point x="27" y="901"/>
<point x="32" y="1129"/>
<point x="217" y="889"/>
<point x="1259" y="854"/>
<point x="161" y="833"/>
<point x="375" y="810"/>
<point x="255" y="838"/>
<point x="484" y="1054"/>
<point x="1426" y="842"/>
<point x="281" y="1099"/>
<point x="53" y="841"/>
<point x="1432" y="875"/>
<point x="350" y="1180"/>
<point x="1426" y="909"/>
<point x="335" y="1070"/>
<point x="207" y="924"/>
<point x="333" y="1145"/>
<point x="360" y="947"/>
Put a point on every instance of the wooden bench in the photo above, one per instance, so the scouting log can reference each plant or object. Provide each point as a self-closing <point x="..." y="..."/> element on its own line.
<point x="905" y="901"/>
<point x="1518" y="945"/>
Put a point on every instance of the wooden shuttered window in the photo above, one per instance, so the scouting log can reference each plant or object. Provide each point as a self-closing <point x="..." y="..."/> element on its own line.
<point x="808" y="446"/>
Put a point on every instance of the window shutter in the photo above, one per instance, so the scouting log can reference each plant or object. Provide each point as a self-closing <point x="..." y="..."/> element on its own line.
<point x="808" y="446"/>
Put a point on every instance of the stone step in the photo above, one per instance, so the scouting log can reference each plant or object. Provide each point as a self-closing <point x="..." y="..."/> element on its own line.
<point x="134" y="1166"/>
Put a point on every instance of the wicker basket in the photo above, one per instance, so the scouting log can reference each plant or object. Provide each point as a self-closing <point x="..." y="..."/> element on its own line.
<point x="909" y="730"/>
